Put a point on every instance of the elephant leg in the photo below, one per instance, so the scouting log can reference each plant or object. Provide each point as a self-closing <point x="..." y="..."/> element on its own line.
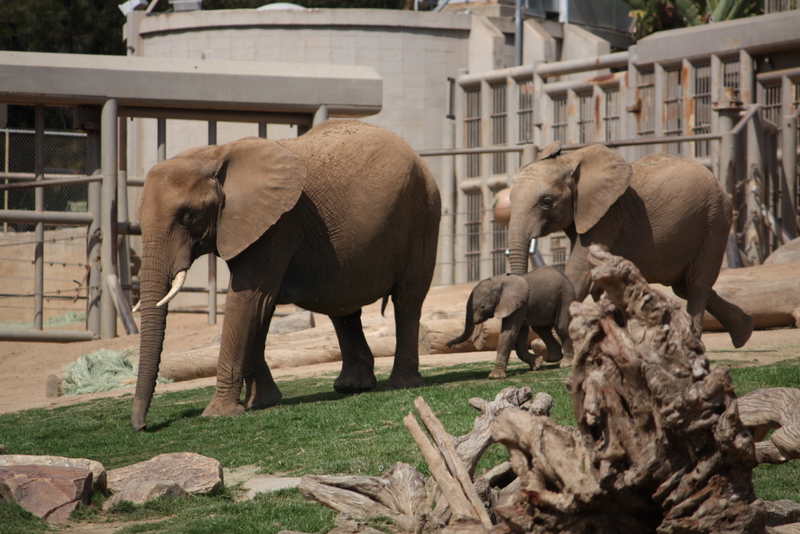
<point x="553" y="346"/>
<point x="578" y="271"/>
<point x="522" y="348"/>
<point x="509" y="334"/>
<point x="357" y="360"/>
<point x="562" y="329"/>
<point x="738" y="323"/>
<point x="260" y="388"/>
<point x="696" y="301"/>
<point x="407" y="311"/>
<point x="241" y="357"/>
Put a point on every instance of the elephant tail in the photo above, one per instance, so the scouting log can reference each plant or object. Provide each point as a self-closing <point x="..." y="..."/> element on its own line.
<point x="384" y="302"/>
<point x="469" y="326"/>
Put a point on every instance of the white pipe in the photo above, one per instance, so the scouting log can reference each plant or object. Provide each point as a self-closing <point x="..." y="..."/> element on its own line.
<point x="177" y="284"/>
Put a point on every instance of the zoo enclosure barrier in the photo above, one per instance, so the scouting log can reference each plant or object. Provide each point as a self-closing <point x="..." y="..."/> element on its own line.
<point x="716" y="108"/>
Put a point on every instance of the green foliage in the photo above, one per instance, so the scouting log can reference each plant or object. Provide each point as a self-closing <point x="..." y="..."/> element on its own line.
<point x="313" y="431"/>
<point x="656" y="15"/>
<point x="102" y="370"/>
<point x="16" y="520"/>
<point x="58" y="321"/>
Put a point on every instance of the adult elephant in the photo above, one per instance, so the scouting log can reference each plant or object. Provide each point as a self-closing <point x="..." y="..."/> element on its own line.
<point x="666" y="214"/>
<point x="333" y="220"/>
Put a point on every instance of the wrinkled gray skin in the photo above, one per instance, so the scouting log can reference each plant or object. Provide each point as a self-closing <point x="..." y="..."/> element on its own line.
<point x="667" y="215"/>
<point x="333" y="220"/>
<point x="539" y="299"/>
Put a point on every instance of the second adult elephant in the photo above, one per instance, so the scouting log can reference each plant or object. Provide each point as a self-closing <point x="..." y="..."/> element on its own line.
<point x="666" y="214"/>
<point x="333" y="220"/>
<point x="539" y="299"/>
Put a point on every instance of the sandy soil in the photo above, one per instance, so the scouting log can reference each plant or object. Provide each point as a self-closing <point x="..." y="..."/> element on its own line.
<point x="24" y="367"/>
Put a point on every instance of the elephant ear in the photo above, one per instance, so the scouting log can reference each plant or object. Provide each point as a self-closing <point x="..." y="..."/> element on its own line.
<point x="550" y="151"/>
<point x="513" y="295"/>
<point x="601" y="177"/>
<point x="261" y="180"/>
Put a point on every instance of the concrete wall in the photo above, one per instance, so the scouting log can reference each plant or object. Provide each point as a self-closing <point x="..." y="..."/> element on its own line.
<point x="414" y="52"/>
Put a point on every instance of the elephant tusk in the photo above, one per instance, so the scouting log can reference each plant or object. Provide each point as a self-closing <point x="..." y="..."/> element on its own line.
<point x="177" y="284"/>
<point x="137" y="307"/>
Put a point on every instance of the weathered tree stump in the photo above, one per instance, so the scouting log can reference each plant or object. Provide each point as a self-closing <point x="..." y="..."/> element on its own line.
<point x="659" y="445"/>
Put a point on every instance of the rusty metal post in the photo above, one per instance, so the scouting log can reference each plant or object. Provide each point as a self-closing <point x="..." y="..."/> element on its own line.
<point x="728" y="110"/>
<point x="755" y="237"/>
<point x="108" y="218"/>
<point x="123" y="252"/>
<point x="38" y="269"/>
<point x="212" y="258"/>
<point x="447" y="225"/>
<point x="788" y="211"/>
<point x="93" y="238"/>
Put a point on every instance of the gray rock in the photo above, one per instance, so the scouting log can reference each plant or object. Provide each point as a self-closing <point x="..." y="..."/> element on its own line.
<point x="47" y="491"/>
<point x="172" y="474"/>
<point x="97" y="469"/>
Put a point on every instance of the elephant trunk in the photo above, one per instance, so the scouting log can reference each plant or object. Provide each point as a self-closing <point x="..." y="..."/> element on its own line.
<point x="469" y="326"/>
<point x="519" y="239"/>
<point x="155" y="281"/>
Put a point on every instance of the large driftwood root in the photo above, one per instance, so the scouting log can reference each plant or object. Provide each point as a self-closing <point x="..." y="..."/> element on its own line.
<point x="773" y="408"/>
<point x="450" y="496"/>
<point x="659" y="445"/>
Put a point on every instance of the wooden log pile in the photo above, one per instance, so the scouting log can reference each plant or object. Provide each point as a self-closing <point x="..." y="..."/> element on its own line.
<point x="659" y="445"/>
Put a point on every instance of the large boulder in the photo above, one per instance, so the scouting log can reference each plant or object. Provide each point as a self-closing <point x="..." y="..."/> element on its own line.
<point x="172" y="474"/>
<point x="48" y="491"/>
<point x="97" y="469"/>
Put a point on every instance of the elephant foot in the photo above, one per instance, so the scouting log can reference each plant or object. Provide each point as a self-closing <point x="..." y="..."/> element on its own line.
<point x="497" y="373"/>
<point x="406" y="381"/>
<point x="742" y="333"/>
<point x="267" y="399"/>
<point x="565" y="363"/>
<point x="350" y="384"/>
<point x="219" y="406"/>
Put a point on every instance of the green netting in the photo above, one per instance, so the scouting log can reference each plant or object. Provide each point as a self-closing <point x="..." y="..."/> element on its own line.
<point x="102" y="370"/>
<point x="65" y="319"/>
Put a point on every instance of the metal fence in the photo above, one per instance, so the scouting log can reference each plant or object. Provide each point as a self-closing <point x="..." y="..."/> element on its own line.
<point x="690" y="108"/>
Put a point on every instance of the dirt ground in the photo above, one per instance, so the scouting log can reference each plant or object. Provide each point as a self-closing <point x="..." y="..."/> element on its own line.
<point x="24" y="367"/>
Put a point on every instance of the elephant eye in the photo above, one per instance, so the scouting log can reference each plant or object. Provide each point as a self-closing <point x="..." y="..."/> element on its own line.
<point x="186" y="219"/>
<point x="546" y="202"/>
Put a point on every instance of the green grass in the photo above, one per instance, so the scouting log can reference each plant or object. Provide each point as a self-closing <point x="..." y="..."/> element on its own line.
<point x="313" y="431"/>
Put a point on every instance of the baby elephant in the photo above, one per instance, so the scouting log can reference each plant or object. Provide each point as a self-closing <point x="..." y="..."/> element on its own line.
<point x="539" y="299"/>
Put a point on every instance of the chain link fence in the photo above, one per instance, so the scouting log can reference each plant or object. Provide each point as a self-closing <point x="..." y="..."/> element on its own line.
<point x="64" y="248"/>
<point x="64" y="153"/>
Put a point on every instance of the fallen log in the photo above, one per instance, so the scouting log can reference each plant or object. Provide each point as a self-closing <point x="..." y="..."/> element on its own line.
<point x="766" y="409"/>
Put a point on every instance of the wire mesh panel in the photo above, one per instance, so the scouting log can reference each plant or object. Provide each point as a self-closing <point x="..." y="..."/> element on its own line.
<point x="673" y="109"/>
<point x="560" y="118"/>
<point x="771" y="110"/>
<point x="499" y="246"/>
<point x="499" y="126"/>
<point x="777" y="6"/>
<point x="472" y="129"/>
<point x="586" y="122"/>
<point x="558" y="251"/>
<point x="611" y="119"/>
<point x="702" y="107"/>
<point x="647" y="119"/>
<point x="473" y="231"/>
<point x="64" y="153"/>
<point x="730" y="75"/>
<point x="525" y="111"/>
